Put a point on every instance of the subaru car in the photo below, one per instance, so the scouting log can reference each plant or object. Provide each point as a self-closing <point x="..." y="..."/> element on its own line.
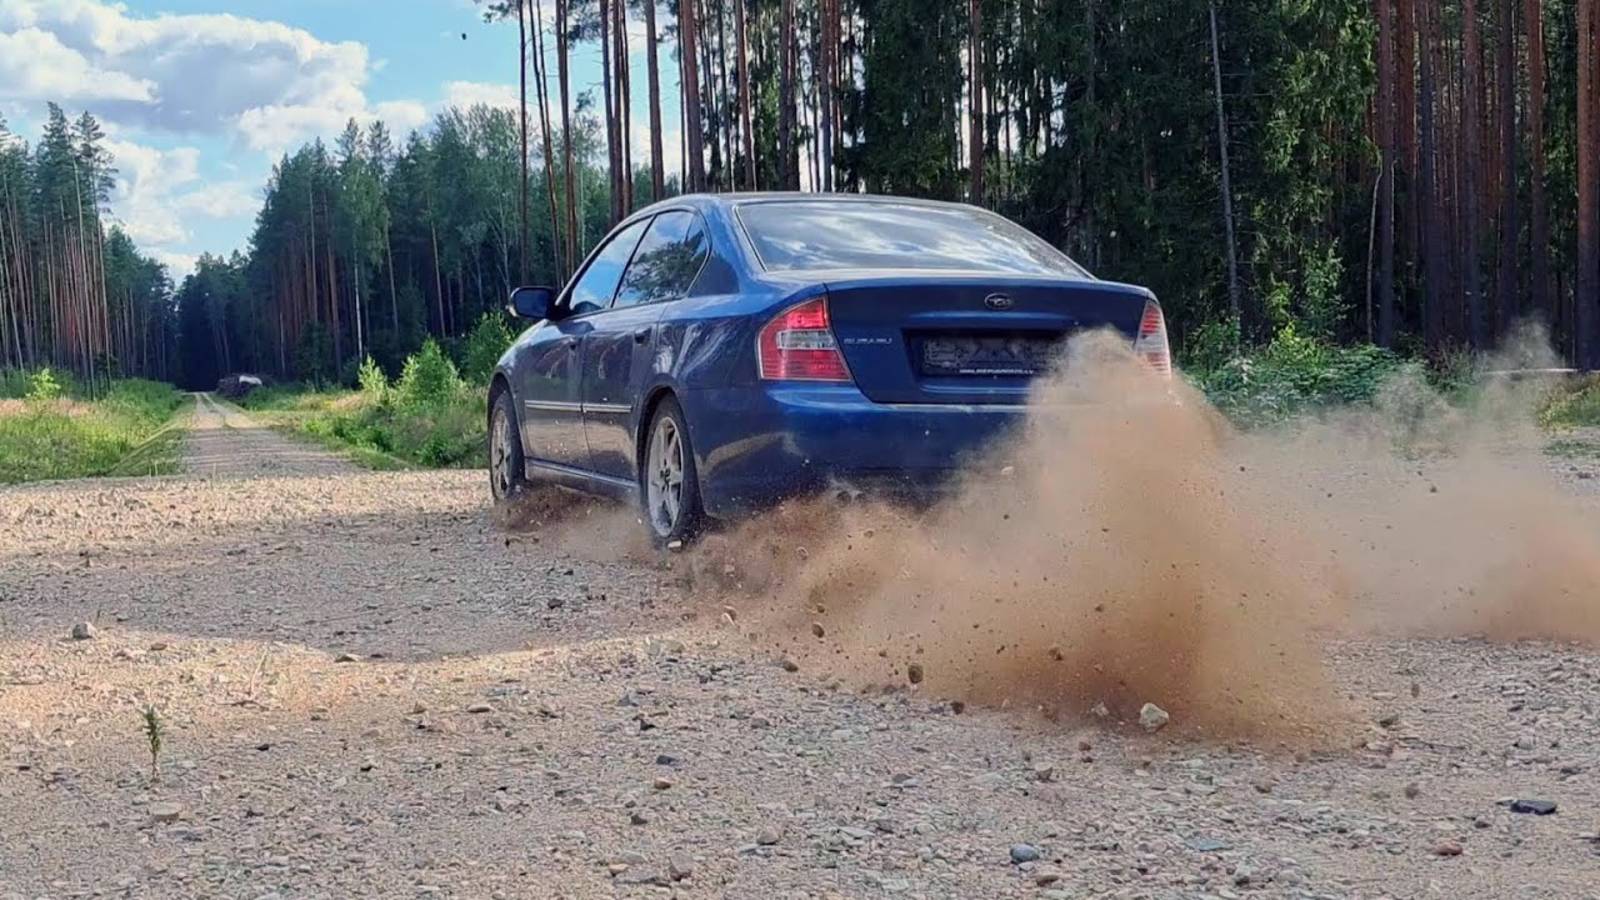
<point x="717" y="354"/>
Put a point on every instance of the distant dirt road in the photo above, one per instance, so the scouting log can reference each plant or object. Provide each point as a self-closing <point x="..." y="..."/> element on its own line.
<point x="368" y="689"/>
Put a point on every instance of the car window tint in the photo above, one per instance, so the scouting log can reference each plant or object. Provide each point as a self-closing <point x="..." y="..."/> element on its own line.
<point x="809" y="236"/>
<point x="599" y="282"/>
<point x="667" y="261"/>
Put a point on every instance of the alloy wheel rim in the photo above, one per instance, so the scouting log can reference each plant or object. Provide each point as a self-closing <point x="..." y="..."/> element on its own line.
<point x="500" y="455"/>
<point x="664" y="477"/>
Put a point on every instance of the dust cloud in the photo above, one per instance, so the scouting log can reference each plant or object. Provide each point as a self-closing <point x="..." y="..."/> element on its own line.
<point x="1128" y="546"/>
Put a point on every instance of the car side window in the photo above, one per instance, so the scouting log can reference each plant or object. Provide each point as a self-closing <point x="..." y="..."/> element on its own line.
<point x="668" y="260"/>
<point x="598" y="284"/>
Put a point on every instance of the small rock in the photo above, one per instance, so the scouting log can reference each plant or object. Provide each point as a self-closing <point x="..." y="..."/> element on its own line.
<point x="83" y="631"/>
<point x="662" y="784"/>
<point x="768" y="837"/>
<point x="640" y="875"/>
<point x="555" y="603"/>
<point x="480" y="707"/>
<point x="1447" y="848"/>
<point x="1412" y="790"/>
<point x="1100" y="711"/>
<point x="346" y="658"/>
<point x="1207" y="844"/>
<point x="639" y="817"/>
<point x="1046" y="878"/>
<point x="789" y="665"/>
<point x="666" y="759"/>
<point x="914" y="673"/>
<point x="166" y="812"/>
<point x="680" y="867"/>
<point x="1024" y="853"/>
<point x="158" y="646"/>
<point x="1153" y="717"/>
<point x="1044" y="772"/>
<point x="817" y="629"/>
<point x="1533" y="807"/>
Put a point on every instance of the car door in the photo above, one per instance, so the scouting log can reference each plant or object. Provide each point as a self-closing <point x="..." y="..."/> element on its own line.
<point x="618" y="350"/>
<point x="552" y="406"/>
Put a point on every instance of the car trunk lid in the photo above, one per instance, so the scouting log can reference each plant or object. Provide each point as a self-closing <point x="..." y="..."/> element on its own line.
<point x="967" y="340"/>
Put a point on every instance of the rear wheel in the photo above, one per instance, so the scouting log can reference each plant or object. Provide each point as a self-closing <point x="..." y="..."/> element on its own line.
<point x="507" y="476"/>
<point x="670" y="485"/>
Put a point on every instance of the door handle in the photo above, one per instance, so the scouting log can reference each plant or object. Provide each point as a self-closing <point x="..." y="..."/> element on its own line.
<point x="641" y="335"/>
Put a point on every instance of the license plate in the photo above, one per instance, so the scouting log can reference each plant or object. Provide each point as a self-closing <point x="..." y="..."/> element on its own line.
<point x="1004" y="355"/>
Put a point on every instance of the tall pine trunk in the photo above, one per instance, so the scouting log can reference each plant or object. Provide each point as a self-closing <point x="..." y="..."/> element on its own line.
<point x="658" y="176"/>
<point x="1539" y="238"/>
<point x="975" y="98"/>
<point x="1586" y="315"/>
<point x="788" y="161"/>
<point x="746" y="129"/>
<point x="567" y="161"/>
<point x="1386" y="146"/>
<point x="693" y="128"/>
<point x="1473" y="172"/>
<point x="1508" y="305"/>
<point x="522" y="110"/>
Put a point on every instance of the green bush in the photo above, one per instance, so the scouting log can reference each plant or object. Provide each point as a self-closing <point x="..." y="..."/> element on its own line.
<point x="484" y="346"/>
<point x="373" y="383"/>
<point x="1576" y="406"/>
<point x="428" y="378"/>
<point x="1294" y="374"/>
<point x="43" y="386"/>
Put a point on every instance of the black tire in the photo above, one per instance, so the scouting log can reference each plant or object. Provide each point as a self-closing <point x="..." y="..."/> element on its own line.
<point x="669" y="522"/>
<point x="507" y="472"/>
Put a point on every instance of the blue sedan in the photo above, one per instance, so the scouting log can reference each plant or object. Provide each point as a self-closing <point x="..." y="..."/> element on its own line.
<point x="716" y="354"/>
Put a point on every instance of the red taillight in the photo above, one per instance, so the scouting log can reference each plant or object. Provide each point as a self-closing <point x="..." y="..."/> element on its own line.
<point x="1151" y="344"/>
<point x="798" y="345"/>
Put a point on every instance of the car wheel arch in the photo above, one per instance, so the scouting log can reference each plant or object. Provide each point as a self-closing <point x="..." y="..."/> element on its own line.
<point x="499" y="384"/>
<point x="647" y="414"/>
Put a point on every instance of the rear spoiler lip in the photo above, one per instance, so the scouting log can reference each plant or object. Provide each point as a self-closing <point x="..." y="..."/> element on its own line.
<point x="849" y="279"/>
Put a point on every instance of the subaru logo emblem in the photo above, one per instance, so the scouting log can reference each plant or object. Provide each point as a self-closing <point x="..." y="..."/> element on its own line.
<point x="998" y="302"/>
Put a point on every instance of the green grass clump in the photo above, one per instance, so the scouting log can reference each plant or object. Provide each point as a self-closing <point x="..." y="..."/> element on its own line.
<point x="1576" y="405"/>
<point x="49" y="434"/>
<point x="429" y="417"/>
<point x="1292" y="375"/>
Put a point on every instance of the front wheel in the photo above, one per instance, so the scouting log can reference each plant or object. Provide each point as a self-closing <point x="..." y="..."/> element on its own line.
<point x="507" y="476"/>
<point x="670" y="486"/>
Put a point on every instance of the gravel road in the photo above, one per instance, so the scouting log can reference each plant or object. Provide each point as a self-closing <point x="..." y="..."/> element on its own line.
<point x="368" y="688"/>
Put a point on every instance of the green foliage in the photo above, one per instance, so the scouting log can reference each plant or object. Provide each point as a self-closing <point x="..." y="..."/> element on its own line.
<point x="64" y="438"/>
<point x="448" y="432"/>
<point x="429" y="377"/>
<point x="1294" y="374"/>
<point x="43" y="386"/>
<point x="374" y="385"/>
<point x="1574" y="406"/>
<point x="153" y="733"/>
<point x="486" y="343"/>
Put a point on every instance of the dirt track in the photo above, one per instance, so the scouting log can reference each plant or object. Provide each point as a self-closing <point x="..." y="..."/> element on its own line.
<point x="511" y="720"/>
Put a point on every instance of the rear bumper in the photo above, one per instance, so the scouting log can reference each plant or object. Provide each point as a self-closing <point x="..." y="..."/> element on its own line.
<point x="757" y="445"/>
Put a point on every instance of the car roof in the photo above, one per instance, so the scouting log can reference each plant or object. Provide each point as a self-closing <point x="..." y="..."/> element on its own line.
<point x="735" y="199"/>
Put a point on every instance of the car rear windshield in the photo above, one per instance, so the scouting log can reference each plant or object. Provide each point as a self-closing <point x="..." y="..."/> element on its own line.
<point x="808" y="235"/>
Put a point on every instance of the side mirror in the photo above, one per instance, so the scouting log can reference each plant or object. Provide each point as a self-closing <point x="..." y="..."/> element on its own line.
<point x="531" y="302"/>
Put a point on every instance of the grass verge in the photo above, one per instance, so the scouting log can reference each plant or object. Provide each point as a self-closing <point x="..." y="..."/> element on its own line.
<point x="380" y="430"/>
<point x="46" y="438"/>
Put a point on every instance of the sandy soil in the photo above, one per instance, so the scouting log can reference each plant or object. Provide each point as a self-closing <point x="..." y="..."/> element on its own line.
<point x="369" y="689"/>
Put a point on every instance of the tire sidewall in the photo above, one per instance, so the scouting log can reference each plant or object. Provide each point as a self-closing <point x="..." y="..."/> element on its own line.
<point x="503" y="406"/>
<point x="690" y="514"/>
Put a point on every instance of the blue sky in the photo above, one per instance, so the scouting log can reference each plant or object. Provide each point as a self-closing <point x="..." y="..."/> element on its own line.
<point x="200" y="97"/>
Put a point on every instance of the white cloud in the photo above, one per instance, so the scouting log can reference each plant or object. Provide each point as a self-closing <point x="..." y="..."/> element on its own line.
<point x="671" y="146"/>
<point x="179" y="265"/>
<point x="147" y="178"/>
<point x="35" y="64"/>
<point x="471" y="93"/>
<point x="271" y="83"/>
<point x="220" y="200"/>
